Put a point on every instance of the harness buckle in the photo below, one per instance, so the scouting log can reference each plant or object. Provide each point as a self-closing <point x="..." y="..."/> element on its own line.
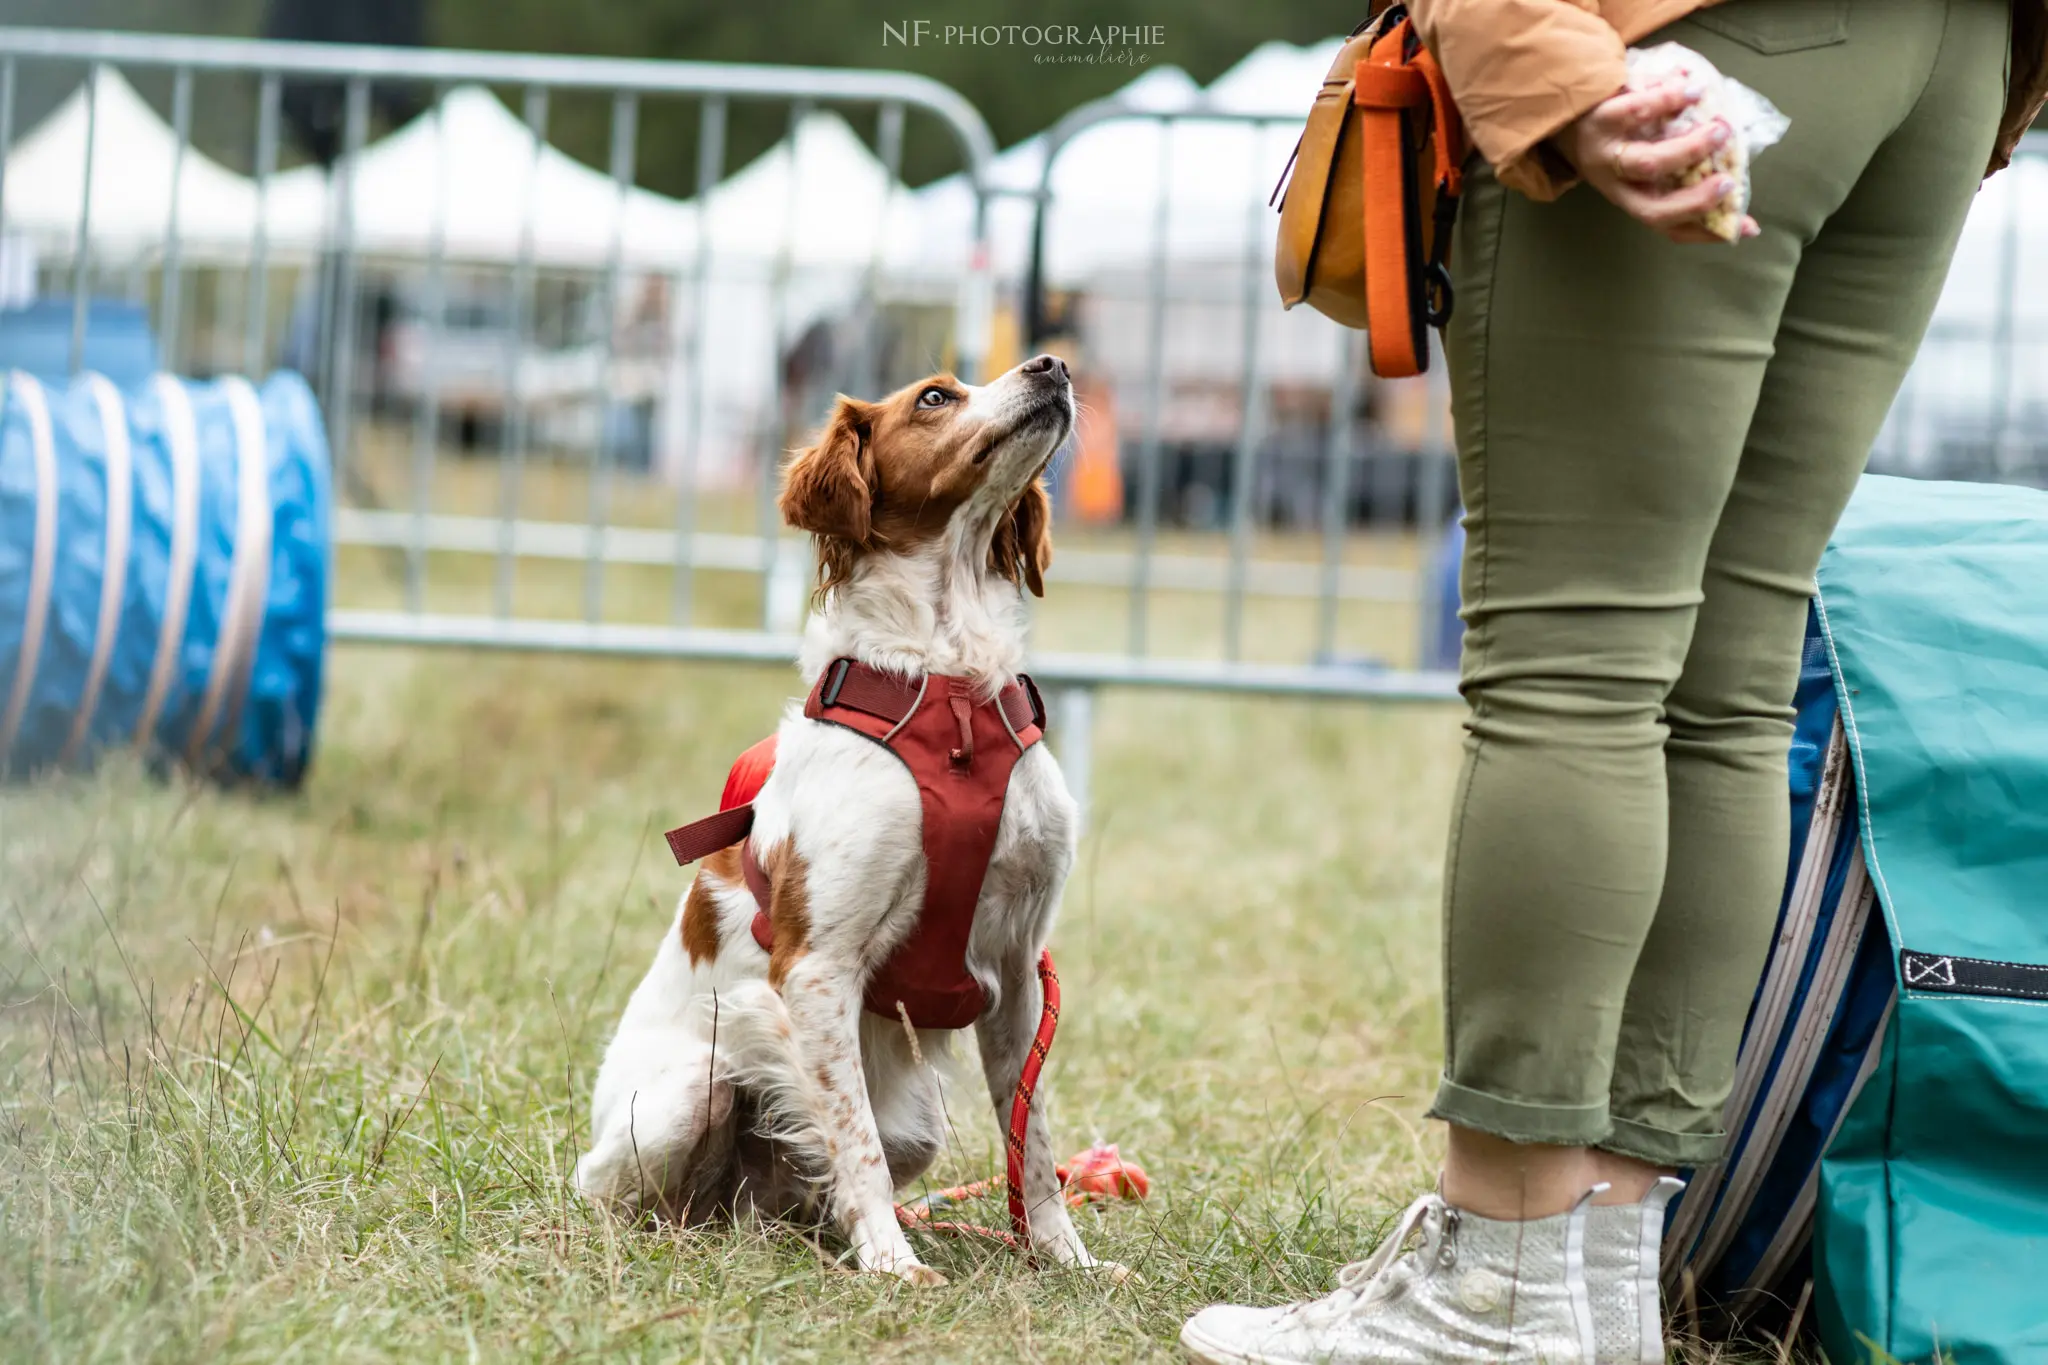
<point x="1037" y="702"/>
<point x="834" y="680"/>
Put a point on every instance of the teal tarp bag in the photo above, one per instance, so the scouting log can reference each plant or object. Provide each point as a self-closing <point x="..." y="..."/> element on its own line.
<point x="1888" y="1118"/>
<point x="1931" y="1227"/>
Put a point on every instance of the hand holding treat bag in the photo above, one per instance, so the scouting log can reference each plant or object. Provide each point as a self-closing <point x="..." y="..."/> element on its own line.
<point x="1753" y="123"/>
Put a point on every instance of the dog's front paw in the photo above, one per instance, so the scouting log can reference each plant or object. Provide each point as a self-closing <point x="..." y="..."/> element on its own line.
<point x="918" y="1275"/>
<point x="893" y="1256"/>
<point x="1116" y="1272"/>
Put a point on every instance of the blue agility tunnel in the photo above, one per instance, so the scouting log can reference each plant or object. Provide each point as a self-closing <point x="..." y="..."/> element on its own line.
<point x="1890" y="1114"/>
<point x="163" y="573"/>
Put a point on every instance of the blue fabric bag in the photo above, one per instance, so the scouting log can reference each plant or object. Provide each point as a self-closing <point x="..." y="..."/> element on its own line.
<point x="1889" y="1125"/>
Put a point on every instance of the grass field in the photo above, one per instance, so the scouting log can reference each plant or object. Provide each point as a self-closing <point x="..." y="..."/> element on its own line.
<point x="300" y="1077"/>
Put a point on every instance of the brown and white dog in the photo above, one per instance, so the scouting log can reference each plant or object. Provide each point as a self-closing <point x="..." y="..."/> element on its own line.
<point x="744" y="1078"/>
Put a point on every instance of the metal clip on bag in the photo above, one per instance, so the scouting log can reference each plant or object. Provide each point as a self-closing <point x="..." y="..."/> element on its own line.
<point x="1382" y="154"/>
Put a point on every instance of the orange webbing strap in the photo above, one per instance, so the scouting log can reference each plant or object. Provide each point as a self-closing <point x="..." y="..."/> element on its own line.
<point x="1384" y="87"/>
<point x="1448" y="131"/>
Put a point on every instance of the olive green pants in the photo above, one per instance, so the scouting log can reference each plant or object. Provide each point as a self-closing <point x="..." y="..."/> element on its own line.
<point x="1655" y="442"/>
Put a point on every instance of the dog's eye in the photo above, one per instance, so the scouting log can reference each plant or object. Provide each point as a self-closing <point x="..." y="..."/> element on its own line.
<point x="934" y="397"/>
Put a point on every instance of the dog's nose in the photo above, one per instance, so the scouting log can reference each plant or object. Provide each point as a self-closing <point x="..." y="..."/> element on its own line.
<point x="1046" y="364"/>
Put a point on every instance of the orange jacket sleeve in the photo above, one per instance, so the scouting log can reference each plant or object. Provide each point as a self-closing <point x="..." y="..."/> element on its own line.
<point x="1520" y="70"/>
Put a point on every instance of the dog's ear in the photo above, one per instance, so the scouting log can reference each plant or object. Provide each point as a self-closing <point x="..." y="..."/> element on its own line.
<point x="829" y="489"/>
<point x="1022" y="550"/>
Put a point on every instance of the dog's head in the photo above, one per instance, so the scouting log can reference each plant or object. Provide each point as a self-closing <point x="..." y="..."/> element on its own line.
<point x="939" y="463"/>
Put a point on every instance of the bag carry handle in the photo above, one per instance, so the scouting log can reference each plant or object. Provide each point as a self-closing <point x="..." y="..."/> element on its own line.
<point x="1399" y="76"/>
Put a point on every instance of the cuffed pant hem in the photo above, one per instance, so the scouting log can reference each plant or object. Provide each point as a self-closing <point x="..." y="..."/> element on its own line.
<point x="1563" y="1125"/>
<point x="1662" y="1146"/>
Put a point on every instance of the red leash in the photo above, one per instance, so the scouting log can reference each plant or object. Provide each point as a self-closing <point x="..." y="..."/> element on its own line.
<point x="1020" y="1119"/>
<point x="1027" y="1086"/>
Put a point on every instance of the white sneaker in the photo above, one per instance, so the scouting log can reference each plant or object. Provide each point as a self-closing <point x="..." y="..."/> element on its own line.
<point x="1471" y="1289"/>
<point x="1624" y="1247"/>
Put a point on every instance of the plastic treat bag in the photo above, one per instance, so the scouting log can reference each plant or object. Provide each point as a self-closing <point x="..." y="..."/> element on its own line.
<point x="1754" y="123"/>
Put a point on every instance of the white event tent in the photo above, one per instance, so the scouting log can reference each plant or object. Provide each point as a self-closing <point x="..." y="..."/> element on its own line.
<point x="1103" y="194"/>
<point x="133" y="151"/>
<point x="1108" y="179"/>
<point x="1103" y="224"/>
<point x="822" y="201"/>
<point x="472" y="164"/>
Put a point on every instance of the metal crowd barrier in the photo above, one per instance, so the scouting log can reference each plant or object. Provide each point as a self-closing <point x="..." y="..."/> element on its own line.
<point x="413" y="531"/>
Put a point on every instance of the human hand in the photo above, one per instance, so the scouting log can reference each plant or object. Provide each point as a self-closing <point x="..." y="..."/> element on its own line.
<point x="1616" y="149"/>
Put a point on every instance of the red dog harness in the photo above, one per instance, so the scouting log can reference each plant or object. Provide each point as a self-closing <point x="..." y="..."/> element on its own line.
<point x="960" y="747"/>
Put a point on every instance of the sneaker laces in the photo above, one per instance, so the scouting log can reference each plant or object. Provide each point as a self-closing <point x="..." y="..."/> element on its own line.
<point x="1366" y="1282"/>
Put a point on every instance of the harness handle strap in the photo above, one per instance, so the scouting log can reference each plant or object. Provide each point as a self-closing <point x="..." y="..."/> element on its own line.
<point x="702" y="837"/>
<point x="963" y="720"/>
